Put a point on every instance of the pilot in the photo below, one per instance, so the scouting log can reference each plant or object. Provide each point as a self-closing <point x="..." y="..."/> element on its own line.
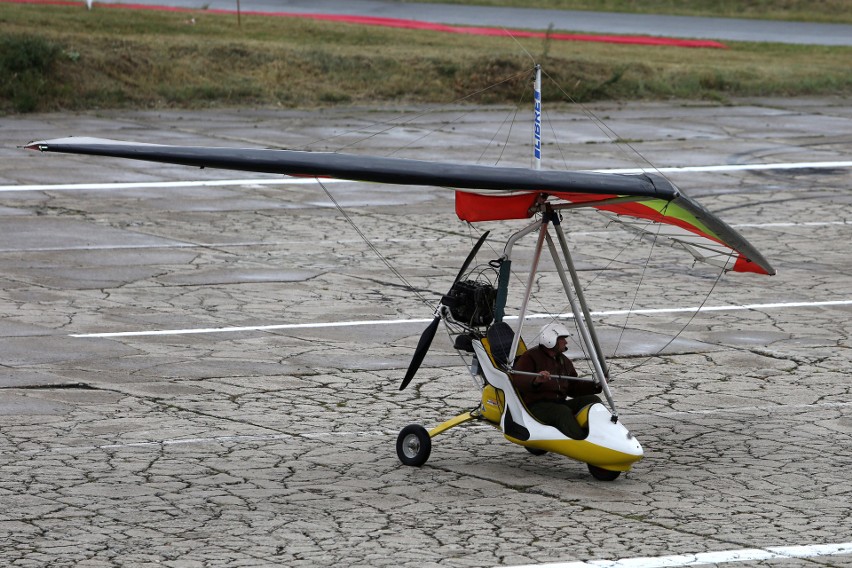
<point x="553" y="401"/>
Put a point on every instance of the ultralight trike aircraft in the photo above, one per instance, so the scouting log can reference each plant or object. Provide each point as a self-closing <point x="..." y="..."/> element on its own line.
<point x="473" y="310"/>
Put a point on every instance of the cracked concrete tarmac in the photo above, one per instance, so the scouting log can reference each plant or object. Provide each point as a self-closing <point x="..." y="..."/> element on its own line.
<point x="276" y="447"/>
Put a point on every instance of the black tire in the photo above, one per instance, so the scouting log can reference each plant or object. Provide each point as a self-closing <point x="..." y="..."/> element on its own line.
<point x="413" y="445"/>
<point x="535" y="451"/>
<point x="602" y="474"/>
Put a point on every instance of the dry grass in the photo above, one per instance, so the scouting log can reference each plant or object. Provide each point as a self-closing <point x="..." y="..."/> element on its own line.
<point x="113" y="58"/>
<point x="831" y="11"/>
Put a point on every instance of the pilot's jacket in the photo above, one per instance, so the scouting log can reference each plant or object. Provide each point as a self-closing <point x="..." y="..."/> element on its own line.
<point x="546" y="399"/>
<point x="534" y="389"/>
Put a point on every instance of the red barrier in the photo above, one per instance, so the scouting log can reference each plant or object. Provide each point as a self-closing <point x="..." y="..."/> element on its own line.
<point x="416" y="25"/>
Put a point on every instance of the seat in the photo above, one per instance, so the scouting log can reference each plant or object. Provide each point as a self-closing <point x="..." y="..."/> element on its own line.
<point x="583" y="416"/>
<point x="517" y="421"/>
<point x="498" y="343"/>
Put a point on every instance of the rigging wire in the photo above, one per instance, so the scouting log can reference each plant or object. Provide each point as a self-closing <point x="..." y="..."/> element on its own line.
<point x="607" y="131"/>
<point x="373" y="247"/>
<point x="389" y="125"/>
<point x="513" y="116"/>
<point x="612" y="135"/>
<point x="550" y="123"/>
<point x="639" y="285"/>
<point x="520" y="45"/>
<point x="424" y="135"/>
<point x="602" y="126"/>
<point x="621" y="143"/>
<point x="683" y="328"/>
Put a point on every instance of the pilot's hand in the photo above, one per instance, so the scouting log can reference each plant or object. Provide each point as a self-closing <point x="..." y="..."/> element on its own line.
<point x="543" y="377"/>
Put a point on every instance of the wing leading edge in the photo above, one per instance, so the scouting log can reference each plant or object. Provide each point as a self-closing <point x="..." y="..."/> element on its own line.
<point x="626" y="197"/>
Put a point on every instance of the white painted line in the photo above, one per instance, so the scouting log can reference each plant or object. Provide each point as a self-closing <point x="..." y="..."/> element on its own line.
<point x="283" y="180"/>
<point x="373" y="434"/>
<point x="222" y="245"/>
<point x="704" y="558"/>
<point x="253" y="328"/>
<point x="233" y="439"/>
<point x="356" y="323"/>
<point x="770" y="306"/>
<point x="180" y="245"/>
<point x="733" y="168"/>
<point x="740" y="410"/>
<point x="295" y="180"/>
<point x="225" y="245"/>
<point x="793" y="224"/>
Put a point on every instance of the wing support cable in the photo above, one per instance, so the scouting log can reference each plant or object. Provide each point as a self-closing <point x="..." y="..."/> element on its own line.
<point x="683" y="327"/>
<point x="388" y="125"/>
<point x="373" y="247"/>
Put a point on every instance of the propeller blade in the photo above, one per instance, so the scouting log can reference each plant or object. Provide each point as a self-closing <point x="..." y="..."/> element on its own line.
<point x="420" y="352"/>
<point x="471" y="255"/>
<point x="429" y="333"/>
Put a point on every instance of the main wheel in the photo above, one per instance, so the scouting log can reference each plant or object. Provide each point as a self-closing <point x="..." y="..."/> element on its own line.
<point x="602" y="474"/>
<point x="535" y="451"/>
<point x="413" y="445"/>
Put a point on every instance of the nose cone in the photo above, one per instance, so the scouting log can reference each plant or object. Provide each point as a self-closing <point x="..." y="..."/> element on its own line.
<point x="633" y="446"/>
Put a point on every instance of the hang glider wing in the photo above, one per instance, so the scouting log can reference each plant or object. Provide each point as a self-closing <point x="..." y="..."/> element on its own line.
<point x="485" y="192"/>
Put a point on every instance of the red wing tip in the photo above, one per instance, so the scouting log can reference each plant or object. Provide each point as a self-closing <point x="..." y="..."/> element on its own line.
<point x="35" y="146"/>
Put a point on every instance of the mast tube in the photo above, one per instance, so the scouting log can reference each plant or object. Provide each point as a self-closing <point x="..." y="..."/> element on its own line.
<point x="537" y="119"/>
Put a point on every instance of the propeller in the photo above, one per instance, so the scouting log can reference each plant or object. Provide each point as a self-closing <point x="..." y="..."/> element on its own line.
<point x="429" y="333"/>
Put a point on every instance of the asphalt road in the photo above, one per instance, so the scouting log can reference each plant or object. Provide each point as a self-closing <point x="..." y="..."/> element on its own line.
<point x="727" y="29"/>
<point x="199" y="437"/>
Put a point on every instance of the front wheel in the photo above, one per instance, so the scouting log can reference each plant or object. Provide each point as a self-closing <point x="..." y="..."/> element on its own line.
<point x="602" y="474"/>
<point x="413" y="445"/>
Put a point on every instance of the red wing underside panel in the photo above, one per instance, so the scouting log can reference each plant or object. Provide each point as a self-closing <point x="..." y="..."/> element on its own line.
<point x="681" y="222"/>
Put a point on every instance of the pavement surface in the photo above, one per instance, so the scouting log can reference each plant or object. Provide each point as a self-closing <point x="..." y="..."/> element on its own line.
<point x="275" y="446"/>
<point x="729" y="29"/>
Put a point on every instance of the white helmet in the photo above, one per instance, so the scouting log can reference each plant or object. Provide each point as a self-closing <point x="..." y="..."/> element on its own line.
<point x="550" y="333"/>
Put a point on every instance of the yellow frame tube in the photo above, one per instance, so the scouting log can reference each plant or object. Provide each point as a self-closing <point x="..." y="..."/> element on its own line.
<point x="451" y="423"/>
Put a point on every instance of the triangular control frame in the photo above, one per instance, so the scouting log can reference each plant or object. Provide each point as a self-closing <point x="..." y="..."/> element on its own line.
<point x="548" y="222"/>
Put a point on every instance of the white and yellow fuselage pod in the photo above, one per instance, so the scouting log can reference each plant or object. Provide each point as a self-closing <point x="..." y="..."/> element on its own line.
<point x="609" y="444"/>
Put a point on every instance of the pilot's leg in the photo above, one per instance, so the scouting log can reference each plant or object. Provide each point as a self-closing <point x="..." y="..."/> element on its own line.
<point x="576" y="404"/>
<point x="559" y="415"/>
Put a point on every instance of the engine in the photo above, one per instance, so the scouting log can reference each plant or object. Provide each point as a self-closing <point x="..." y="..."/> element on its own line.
<point x="471" y="303"/>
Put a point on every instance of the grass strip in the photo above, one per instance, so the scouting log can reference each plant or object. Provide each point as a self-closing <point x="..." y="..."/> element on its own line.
<point x="67" y="58"/>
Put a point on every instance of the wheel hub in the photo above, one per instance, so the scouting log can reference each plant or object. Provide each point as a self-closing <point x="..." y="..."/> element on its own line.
<point x="411" y="446"/>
